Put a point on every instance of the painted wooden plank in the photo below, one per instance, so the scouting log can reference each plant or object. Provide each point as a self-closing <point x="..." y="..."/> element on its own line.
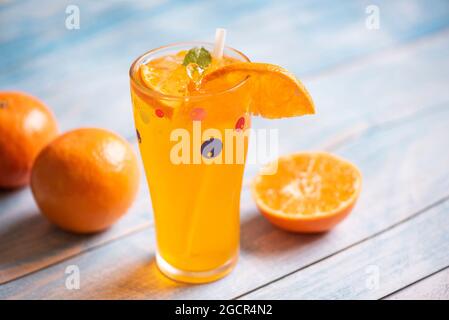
<point x="392" y="158"/>
<point x="42" y="62"/>
<point x="70" y="115"/>
<point x="420" y="69"/>
<point x="338" y="27"/>
<point x="434" y="287"/>
<point x="375" y="268"/>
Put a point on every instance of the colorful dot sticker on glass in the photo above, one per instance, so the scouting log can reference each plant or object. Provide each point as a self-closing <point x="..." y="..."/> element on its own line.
<point x="211" y="148"/>
<point x="198" y="114"/>
<point x="159" y="113"/>
<point x="240" y="124"/>
<point x="138" y="136"/>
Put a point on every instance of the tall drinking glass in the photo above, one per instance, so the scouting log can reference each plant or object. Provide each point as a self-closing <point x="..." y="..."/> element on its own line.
<point x="194" y="150"/>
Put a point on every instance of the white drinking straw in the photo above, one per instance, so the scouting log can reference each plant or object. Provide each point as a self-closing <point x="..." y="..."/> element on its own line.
<point x="220" y="37"/>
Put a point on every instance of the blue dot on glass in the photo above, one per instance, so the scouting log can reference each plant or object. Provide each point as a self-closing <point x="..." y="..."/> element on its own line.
<point x="138" y="136"/>
<point x="211" y="148"/>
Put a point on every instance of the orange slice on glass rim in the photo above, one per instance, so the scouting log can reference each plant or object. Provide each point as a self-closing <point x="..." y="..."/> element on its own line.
<point x="276" y="92"/>
<point x="309" y="192"/>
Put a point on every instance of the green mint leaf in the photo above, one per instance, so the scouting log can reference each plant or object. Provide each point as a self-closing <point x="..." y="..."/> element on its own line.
<point x="200" y="56"/>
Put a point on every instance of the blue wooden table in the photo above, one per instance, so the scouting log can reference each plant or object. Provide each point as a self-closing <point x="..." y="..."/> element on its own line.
<point x="382" y="102"/>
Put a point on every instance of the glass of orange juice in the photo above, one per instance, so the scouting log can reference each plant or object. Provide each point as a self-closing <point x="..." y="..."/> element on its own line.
<point x="193" y="145"/>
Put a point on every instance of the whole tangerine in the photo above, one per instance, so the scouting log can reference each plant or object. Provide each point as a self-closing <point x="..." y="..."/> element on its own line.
<point x="26" y="126"/>
<point x="85" y="180"/>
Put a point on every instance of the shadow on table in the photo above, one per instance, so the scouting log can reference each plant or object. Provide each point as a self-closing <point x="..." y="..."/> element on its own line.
<point x="8" y="194"/>
<point x="260" y="237"/>
<point x="29" y="242"/>
<point x="139" y="279"/>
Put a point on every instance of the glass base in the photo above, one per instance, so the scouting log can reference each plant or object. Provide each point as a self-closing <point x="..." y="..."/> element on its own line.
<point x="195" y="276"/>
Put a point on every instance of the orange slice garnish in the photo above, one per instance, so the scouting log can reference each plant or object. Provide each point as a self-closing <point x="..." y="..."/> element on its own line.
<point x="310" y="191"/>
<point x="172" y="82"/>
<point x="276" y="93"/>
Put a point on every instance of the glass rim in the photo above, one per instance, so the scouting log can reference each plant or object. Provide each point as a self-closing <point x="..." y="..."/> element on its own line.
<point x="160" y="95"/>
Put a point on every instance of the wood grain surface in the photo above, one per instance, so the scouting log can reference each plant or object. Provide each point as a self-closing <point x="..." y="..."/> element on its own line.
<point x="382" y="102"/>
<point x="433" y="287"/>
<point x="268" y="253"/>
<point x="373" y="268"/>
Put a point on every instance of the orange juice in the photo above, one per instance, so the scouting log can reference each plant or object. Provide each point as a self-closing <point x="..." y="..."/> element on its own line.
<point x="193" y="146"/>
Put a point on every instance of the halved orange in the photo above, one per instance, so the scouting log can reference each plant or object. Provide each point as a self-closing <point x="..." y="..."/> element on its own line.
<point x="309" y="192"/>
<point x="276" y="92"/>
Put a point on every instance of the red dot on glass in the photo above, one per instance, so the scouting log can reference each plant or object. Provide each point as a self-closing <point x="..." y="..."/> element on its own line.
<point x="198" y="114"/>
<point x="240" y="124"/>
<point x="159" y="113"/>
